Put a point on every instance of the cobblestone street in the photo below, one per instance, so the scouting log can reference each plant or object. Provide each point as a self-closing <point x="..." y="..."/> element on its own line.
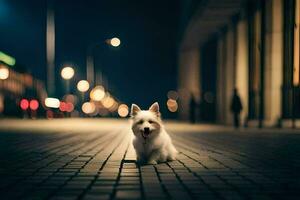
<point x="94" y="159"/>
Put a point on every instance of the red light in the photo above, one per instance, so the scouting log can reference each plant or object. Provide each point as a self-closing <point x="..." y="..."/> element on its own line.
<point x="69" y="107"/>
<point x="34" y="104"/>
<point x="62" y="106"/>
<point x="24" y="104"/>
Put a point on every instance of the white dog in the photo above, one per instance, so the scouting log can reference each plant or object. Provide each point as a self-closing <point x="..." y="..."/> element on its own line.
<point x="151" y="142"/>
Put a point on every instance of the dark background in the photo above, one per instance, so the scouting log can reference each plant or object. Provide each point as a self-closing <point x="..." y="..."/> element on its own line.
<point x="141" y="70"/>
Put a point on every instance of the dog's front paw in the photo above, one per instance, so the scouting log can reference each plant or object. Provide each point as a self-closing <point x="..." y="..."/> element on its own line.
<point x="152" y="162"/>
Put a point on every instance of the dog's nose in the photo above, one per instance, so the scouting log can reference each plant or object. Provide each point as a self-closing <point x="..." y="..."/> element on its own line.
<point x="146" y="129"/>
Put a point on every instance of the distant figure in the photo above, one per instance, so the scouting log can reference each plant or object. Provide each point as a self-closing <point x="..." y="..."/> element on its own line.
<point x="236" y="107"/>
<point x="193" y="106"/>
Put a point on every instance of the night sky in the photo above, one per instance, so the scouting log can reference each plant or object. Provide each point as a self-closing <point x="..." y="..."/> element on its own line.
<point x="141" y="70"/>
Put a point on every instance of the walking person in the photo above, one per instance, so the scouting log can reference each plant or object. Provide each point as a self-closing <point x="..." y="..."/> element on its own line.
<point x="236" y="108"/>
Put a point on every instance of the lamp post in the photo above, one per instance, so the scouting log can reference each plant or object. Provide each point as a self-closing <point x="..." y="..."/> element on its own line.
<point x="82" y="87"/>
<point x="90" y="66"/>
<point x="67" y="73"/>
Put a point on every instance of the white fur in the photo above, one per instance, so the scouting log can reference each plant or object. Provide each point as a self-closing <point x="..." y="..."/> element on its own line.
<point x="156" y="146"/>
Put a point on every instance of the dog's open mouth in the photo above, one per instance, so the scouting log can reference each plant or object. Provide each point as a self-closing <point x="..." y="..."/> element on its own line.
<point x="146" y="133"/>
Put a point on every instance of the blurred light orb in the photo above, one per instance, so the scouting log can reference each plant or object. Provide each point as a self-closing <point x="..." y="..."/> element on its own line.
<point x="114" y="107"/>
<point x="97" y="93"/>
<point x="69" y="107"/>
<point x="83" y="86"/>
<point x="88" y="107"/>
<point x="24" y="104"/>
<point x="172" y="105"/>
<point x="52" y="102"/>
<point x="4" y="73"/>
<point x="67" y="73"/>
<point x="108" y="102"/>
<point x="34" y="104"/>
<point x="123" y="110"/>
<point x="70" y="98"/>
<point x="172" y="94"/>
<point x="63" y="106"/>
<point x="115" y="42"/>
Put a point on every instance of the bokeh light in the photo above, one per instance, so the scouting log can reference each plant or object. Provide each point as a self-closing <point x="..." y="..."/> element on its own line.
<point x="115" y="42"/>
<point x="63" y="106"/>
<point x="67" y="73"/>
<point x="69" y="107"/>
<point x="24" y="104"/>
<point x="172" y="105"/>
<point x="108" y="101"/>
<point x="83" y="86"/>
<point x="34" y="104"/>
<point x="123" y="110"/>
<point x="88" y="107"/>
<point x="70" y="98"/>
<point x="172" y="94"/>
<point x="52" y="102"/>
<point x="97" y="93"/>
<point x="4" y="73"/>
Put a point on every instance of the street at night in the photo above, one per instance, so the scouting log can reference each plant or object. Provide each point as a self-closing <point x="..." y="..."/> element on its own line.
<point x="149" y="100"/>
<point x="94" y="159"/>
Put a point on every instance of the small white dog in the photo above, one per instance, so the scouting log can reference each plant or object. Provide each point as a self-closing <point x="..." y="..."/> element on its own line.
<point x="151" y="142"/>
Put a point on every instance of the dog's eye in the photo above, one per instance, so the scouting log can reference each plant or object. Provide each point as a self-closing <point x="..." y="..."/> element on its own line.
<point x="151" y="122"/>
<point x="140" y="122"/>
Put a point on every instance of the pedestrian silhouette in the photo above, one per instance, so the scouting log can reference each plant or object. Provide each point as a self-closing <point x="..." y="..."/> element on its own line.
<point x="236" y="108"/>
<point x="193" y="105"/>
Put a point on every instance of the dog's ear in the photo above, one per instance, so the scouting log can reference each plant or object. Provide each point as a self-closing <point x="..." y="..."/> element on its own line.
<point x="134" y="109"/>
<point x="155" y="108"/>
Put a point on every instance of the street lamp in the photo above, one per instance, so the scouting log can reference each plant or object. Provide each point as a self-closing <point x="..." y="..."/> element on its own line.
<point x="97" y="93"/>
<point x="82" y="87"/>
<point x="67" y="73"/>
<point x="115" y="42"/>
<point x="90" y="67"/>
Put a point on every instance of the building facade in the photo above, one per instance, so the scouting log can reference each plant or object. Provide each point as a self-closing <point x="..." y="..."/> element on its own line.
<point x="252" y="46"/>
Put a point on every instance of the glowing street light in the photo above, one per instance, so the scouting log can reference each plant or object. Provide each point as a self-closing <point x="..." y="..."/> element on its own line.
<point x="123" y="110"/>
<point x="67" y="73"/>
<point x="115" y="42"/>
<point x="88" y="107"/>
<point x="98" y="93"/>
<point x="83" y="86"/>
<point x="4" y="73"/>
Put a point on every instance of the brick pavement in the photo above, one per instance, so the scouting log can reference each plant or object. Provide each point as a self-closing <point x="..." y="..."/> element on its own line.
<point x="96" y="161"/>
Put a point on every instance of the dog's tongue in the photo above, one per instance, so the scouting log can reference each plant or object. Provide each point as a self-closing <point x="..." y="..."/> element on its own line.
<point x="146" y="133"/>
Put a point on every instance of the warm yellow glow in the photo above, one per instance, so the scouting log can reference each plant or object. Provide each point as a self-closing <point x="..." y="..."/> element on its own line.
<point x="108" y="102"/>
<point x="172" y="105"/>
<point x="67" y="73"/>
<point x="114" y="107"/>
<point x="115" y="42"/>
<point x="173" y="95"/>
<point x="52" y="102"/>
<point x="123" y="110"/>
<point x="83" y="86"/>
<point x="4" y="73"/>
<point x="88" y="107"/>
<point x="171" y="102"/>
<point x="98" y="93"/>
